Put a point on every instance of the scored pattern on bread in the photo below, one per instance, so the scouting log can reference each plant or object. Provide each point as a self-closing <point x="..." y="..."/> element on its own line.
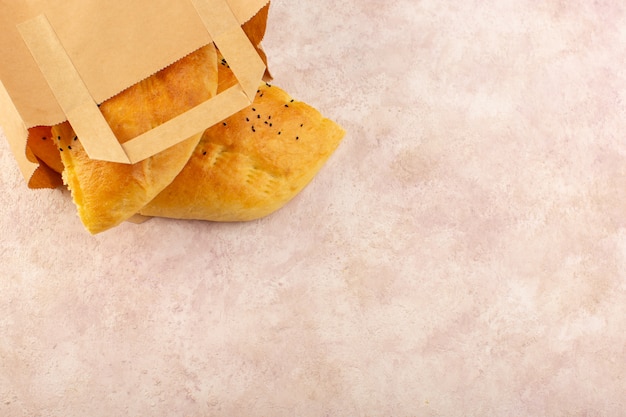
<point x="252" y="163"/>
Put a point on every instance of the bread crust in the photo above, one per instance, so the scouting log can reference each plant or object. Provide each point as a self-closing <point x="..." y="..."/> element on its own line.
<point x="108" y="193"/>
<point x="252" y="163"/>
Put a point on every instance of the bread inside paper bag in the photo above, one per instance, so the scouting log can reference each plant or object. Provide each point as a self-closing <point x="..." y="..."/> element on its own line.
<point x="243" y="168"/>
<point x="108" y="193"/>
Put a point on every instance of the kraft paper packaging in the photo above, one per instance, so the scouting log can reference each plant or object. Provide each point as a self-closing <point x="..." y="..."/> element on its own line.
<point x="61" y="59"/>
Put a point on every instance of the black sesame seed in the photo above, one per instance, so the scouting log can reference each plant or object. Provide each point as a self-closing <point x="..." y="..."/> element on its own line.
<point x="258" y="116"/>
<point x="44" y="138"/>
<point x="61" y="149"/>
<point x="75" y="137"/>
<point x="69" y="147"/>
<point x="279" y="132"/>
<point x="291" y="101"/>
<point x="253" y="109"/>
<point x="297" y="137"/>
<point x="58" y="137"/>
<point x="266" y="122"/>
<point x="286" y="105"/>
<point x="270" y="125"/>
<point x="302" y="124"/>
<point x="204" y="153"/>
<point x="269" y="117"/>
<point x="247" y="119"/>
<point x="253" y="129"/>
<point x="224" y="123"/>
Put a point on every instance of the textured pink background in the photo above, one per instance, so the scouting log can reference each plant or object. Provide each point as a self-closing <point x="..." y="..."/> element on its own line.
<point x="462" y="253"/>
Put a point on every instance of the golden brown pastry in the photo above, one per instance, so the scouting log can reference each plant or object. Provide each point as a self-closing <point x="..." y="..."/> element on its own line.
<point x="41" y="144"/>
<point x="108" y="193"/>
<point x="40" y="148"/>
<point x="251" y="164"/>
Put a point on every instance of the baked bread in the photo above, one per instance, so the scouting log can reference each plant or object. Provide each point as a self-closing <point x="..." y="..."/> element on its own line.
<point x="108" y="193"/>
<point x="40" y="148"/>
<point x="243" y="168"/>
<point x="252" y="163"/>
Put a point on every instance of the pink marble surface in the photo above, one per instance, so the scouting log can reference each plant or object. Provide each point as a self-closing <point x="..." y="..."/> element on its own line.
<point x="463" y="253"/>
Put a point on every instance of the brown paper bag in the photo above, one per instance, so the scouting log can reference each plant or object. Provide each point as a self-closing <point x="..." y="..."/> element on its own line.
<point x="59" y="60"/>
